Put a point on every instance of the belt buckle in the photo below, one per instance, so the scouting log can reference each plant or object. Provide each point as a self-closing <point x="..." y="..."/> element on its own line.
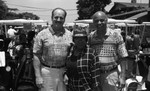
<point x="57" y="66"/>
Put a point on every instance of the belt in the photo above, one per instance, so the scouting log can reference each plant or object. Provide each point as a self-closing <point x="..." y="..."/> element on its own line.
<point x="55" y="66"/>
<point x="106" y="71"/>
<point x="52" y="66"/>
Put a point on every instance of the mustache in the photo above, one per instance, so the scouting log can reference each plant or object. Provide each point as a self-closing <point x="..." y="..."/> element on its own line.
<point x="101" y="25"/>
<point x="58" y="22"/>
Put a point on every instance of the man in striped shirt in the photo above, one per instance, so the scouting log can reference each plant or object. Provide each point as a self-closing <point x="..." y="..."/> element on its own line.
<point x="110" y="50"/>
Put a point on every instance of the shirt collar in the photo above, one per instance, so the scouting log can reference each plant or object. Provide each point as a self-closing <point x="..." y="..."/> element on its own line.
<point x="73" y="47"/>
<point x="52" y="31"/>
<point x="108" y="32"/>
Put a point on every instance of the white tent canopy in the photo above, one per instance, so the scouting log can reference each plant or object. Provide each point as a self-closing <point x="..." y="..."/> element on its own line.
<point x="147" y="23"/>
<point x="21" y="22"/>
<point x="79" y="24"/>
<point x="127" y="24"/>
<point x="110" y="20"/>
<point x="17" y="21"/>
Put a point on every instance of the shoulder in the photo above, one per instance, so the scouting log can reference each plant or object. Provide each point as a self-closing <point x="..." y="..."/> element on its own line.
<point x="117" y="37"/>
<point x="116" y="34"/>
<point x="92" y="33"/>
<point x="69" y="33"/>
<point x="91" y="36"/>
<point x="43" y="32"/>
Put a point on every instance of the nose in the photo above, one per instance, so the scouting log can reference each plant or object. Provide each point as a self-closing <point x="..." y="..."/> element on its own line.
<point x="99" y="22"/>
<point x="58" y="19"/>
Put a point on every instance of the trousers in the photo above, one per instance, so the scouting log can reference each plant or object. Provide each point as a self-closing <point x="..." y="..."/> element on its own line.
<point x="53" y="79"/>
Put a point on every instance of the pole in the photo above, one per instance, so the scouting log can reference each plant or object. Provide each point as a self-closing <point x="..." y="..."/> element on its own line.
<point x="5" y="26"/>
<point x="148" y="16"/>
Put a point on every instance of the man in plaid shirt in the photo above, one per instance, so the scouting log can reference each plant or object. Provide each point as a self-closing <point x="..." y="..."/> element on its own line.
<point x="80" y="64"/>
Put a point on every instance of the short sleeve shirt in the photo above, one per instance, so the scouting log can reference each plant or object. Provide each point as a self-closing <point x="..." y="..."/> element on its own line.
<point x="52" y="48"/>
<point x="110" y="48"/>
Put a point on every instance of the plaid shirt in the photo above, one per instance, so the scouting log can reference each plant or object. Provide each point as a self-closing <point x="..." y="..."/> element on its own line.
<point x="86" y="72"/>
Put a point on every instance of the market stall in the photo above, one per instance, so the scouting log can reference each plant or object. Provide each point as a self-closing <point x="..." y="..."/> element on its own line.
<point x="20" y="24"/>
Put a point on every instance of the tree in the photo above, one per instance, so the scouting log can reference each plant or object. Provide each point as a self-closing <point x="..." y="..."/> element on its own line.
<point x="27" y="15"/>
<point x="24" y="15"/>
<point x="10" y="13"/>
<point x="86" y="8"/>
<point x="3" y="9"/>
<point x="11" y="16"/>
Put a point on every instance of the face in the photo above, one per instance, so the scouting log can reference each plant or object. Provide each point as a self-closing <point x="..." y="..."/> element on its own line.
<point x="100" y="20"/>
<point x="58" y="18"/>
<point x="80" y="42"/>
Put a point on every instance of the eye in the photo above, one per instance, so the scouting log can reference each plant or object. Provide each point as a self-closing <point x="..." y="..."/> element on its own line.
<point x="99" y="20"/>
<point x="61" y="18"/>
<point x="102" y="20"/>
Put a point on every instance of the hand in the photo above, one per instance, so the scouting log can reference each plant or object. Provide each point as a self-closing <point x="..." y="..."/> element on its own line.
<point x="121" y="82"/>
<point x="66" y="79"/>
<point x="39" y="82"/>
<point x="18" y="47"/>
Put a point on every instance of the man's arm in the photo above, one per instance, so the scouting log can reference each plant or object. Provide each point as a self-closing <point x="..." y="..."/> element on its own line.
<point x="123" y="54"/>
<point x="123" y="64"/>
<point x="37" y="68"/>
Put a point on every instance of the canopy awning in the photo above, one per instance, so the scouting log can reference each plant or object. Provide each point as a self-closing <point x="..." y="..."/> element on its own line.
<point x="18" y="21"/>
<point x="130" y="25"/>
<point x="138" y="15"/>
<point x="109" y="21"/>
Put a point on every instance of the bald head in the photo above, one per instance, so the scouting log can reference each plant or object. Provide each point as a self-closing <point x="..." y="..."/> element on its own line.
<point x="99" y="16"/>
<point x="61" y="10"/>
<point x="100" y="22"/>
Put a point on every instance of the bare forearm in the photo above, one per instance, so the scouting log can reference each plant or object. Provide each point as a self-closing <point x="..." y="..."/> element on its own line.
<point x="37" y="66"/>
<point x="123" y="65"/>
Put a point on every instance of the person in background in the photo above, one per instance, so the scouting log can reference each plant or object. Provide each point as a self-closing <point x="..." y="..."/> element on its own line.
<point x="11" y="46"/>
<point x="80" y="63"/>
<point x="51" y="47"/>
<point x="132" y="45"/>
<point x="111" y="51"/>
<point x="30" y="38"/>
<point x="11" y="32"/>
<point x="144" y="63"/>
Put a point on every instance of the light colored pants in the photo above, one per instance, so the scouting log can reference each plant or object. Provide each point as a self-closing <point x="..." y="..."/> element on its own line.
<point x="53" y="79"/>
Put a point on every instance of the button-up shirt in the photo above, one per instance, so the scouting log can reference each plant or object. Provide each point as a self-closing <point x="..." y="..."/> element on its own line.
<point x="87" y="74"/>
<point x="52" y="48"/>
<point x="110" y="48"/>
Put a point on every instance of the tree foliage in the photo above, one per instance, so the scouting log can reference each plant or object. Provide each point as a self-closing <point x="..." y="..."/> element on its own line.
<point x="86" y="8"/>
<point x="27" y="15"/>
<point x="10" y="13"/>
<point x="3" y="9"/>
<point x="24" y="15"/>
